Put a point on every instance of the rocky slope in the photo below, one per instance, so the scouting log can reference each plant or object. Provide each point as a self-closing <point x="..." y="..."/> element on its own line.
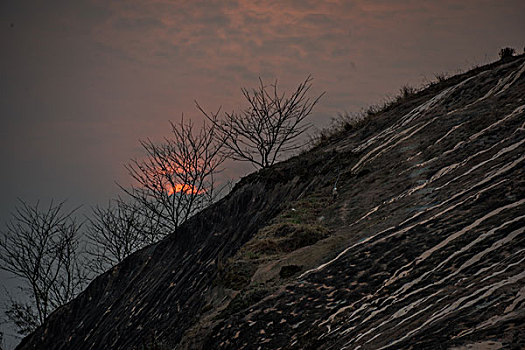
<point x="423" y="247"/>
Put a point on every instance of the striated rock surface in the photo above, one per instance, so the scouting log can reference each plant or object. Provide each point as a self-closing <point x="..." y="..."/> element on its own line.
<point x="422" y="248"/>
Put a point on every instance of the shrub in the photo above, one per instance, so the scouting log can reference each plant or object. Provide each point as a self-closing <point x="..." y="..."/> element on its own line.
<point x="238" y="274"/>
<point x="506" y="52"/>
<point x="440" y="77"/>
<point x="287" y="237"/>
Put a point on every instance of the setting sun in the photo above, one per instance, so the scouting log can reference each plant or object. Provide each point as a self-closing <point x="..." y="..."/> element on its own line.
<point x="184" y="188"/>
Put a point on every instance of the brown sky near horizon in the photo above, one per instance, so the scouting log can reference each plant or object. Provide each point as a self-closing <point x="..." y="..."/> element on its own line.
<point x="83" y="81"/>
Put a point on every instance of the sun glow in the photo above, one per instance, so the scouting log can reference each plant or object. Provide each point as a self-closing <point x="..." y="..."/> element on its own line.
<point x="183" y="188"/>
<point x="173" y="178"/>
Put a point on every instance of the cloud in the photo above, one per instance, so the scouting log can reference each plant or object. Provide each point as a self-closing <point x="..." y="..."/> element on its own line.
<point x="137" y="23"/>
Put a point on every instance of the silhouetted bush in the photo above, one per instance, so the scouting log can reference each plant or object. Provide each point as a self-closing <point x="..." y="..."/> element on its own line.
<point x="506" y="52"/>
<point x="406" y="91"/>
<point x="440" y="77"/>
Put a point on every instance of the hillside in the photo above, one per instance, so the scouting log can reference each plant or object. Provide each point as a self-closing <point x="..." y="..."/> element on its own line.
<point x="423" y="247"/>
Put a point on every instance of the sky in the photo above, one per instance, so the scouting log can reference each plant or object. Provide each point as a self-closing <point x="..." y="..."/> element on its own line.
<point x="81" y="82"/>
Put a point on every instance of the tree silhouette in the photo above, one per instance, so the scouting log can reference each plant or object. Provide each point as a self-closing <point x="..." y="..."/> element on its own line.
<point x="116" y="231"/>
<point x="42" y="248"/>
<point x="269" y="127"/>
<point x="177" y="177"/>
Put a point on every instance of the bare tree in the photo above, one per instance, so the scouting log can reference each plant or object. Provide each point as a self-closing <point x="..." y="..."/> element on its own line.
<point x="41" y="247"/>
<point x="268" y="127"/>
<point x="177" y="177"/>
<point x="117" y="231"/>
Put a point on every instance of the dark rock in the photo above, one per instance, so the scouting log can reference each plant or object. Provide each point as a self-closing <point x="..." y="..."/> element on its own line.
<point x="289" y="271"/>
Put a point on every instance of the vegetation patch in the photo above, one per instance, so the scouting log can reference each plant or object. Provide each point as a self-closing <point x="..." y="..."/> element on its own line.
<point x="237" y="274"/>
<point x="285" y="238"/>
<point x="303" y="211"/>
<point x="296" y="227"/>
<point x="244" y="300"/>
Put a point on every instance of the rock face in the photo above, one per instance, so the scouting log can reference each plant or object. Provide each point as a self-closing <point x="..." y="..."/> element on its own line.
<point x="423" y="247"/>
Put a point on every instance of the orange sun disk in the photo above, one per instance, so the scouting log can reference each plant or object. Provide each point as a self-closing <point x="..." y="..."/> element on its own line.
<point x="187" y="189"/>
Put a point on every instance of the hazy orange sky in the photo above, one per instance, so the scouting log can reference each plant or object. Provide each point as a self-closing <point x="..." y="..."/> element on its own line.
<point x="83" y="81"/>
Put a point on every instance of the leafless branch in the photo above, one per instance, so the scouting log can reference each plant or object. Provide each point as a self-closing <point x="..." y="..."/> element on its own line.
<point x="117" y="231"/>
<point x="269" y="127"/>
<point x="41" y="247"/>
<point x="177" y="177"/>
